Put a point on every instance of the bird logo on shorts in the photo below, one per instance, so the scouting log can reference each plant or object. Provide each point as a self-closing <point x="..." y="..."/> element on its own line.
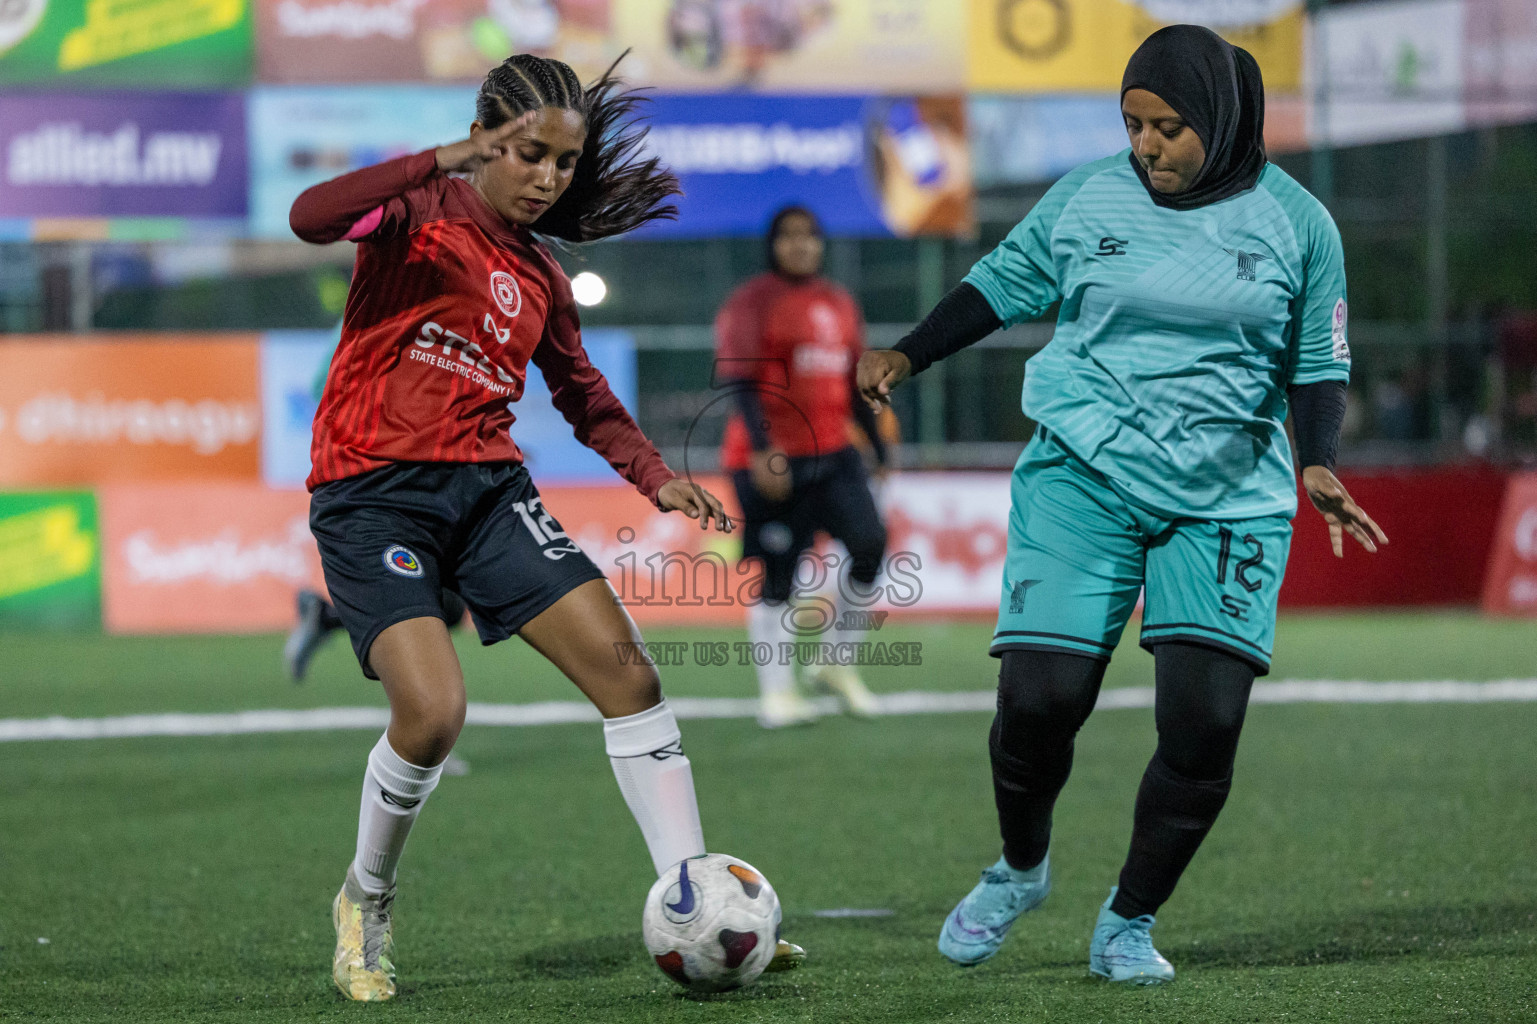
<point x="401" y="562"/>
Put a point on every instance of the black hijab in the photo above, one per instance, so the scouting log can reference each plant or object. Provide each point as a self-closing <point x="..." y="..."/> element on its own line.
<point x="1215" y="86"/>
<point x="777" y="224"/>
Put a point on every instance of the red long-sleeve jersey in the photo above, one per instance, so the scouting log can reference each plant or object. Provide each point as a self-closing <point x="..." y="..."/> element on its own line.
<point x="799" y="341"/>
<point x="449" y="304"/>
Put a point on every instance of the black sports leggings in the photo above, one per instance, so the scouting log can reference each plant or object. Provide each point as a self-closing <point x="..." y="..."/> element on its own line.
<point x="1043" y="700"/>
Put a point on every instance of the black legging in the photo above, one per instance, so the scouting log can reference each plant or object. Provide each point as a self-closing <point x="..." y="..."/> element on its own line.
<point x="1043" y="700"/>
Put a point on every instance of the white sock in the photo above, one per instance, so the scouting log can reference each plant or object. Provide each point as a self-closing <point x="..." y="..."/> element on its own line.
<point x="657" y="781"/>
<point x="841" y="605"/>
<point x="766" y="625"/>
<point x="393" y="793"/>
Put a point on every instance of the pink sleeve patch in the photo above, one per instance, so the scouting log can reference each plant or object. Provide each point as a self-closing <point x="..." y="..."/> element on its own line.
<point x="366" y="225"/>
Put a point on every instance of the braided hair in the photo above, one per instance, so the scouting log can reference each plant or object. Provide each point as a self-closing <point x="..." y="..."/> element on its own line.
<point x="612" y="190"/>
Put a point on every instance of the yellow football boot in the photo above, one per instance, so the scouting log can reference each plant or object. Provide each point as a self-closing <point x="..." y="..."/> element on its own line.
<point x="787" y="957"/>
<point x="364" y="965"/>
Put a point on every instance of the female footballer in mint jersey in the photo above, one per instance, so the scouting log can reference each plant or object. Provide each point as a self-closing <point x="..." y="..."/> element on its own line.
<point x="419" y="488"/>
<point x="1202" y="295"/>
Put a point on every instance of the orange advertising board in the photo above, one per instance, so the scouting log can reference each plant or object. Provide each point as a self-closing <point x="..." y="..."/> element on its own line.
<point x="1510" y="586"/>
<point x="128" y="408"/>
<point x="228" y="557"/>
<point x="204" y="557"/>
<point x="947" y="539"/>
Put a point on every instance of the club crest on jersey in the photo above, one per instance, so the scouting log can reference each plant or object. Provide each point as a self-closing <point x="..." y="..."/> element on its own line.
<point x="1247" y="262"/>
<point x="401" y="562"/>
<point x="505" y="292"/>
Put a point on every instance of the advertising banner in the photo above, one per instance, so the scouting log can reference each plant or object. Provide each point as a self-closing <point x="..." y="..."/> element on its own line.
<point x="138" y="44"/>
<point x="777" y="46"/>
<point x="1510" y="588"/>
<point x="293" y="371"/>
<point x="1384" y="71"/>
<point x="123" y="155"/>
<point x="948" y="534"/>
<point x="204" y="557"/>
<point x="867" y="166"/>
<point x="795" y="46"/>
<point x="1083" y="45"/>
<point x="303" y="136"/>
<point x="333" y="41"/>
<point x="1500" y="61"/>
<point x="137" y="407"/>
<point x="1021" y="139"/>
<point x="51" y="574"/>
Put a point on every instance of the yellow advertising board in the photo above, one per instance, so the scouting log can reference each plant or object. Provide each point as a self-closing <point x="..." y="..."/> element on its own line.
<point x="1083" y="45"/>
<point x="802" y="46"/>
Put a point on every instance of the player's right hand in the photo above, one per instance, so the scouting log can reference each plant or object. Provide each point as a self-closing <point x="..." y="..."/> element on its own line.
<point x="483" y="146"/>
<point x="879" y="371"/>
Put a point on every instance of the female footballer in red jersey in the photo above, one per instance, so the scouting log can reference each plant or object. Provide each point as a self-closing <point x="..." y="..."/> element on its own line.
<point x="418" y="486"/>
<point x="787" y="342"/>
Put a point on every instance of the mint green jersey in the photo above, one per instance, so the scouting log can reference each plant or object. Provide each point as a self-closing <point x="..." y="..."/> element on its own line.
<point x="1179" y="333"/>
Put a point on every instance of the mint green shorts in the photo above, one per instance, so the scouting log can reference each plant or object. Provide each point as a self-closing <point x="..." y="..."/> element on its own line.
<point x="1079" y="554"/>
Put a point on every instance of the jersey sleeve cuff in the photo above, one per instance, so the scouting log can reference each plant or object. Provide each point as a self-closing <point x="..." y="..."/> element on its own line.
<point x="994" y="295"/>
<point x="1340" y="373"/>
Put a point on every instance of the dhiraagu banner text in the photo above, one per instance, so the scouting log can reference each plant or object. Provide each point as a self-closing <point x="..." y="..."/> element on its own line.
<point x="1083" y="45"/>
<point x="135" y="43"/>
<point x="51" y="573"/>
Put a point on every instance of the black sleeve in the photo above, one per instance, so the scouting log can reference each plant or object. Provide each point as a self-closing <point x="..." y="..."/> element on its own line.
<point x="1318" y="413"/>
<point x="865" y="417"/>
<point x="962" y="318"/>
<point x="751" y="407"/>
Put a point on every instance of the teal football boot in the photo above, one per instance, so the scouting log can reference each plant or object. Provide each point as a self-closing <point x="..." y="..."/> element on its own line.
<point x="979" y="923"/>
<point x="1122" y="949"/>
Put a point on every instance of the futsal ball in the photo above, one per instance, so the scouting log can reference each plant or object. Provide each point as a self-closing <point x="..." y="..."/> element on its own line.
<point x="711" y="922"/>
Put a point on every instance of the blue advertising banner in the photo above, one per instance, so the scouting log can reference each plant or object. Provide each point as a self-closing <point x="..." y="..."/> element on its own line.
<point x="869" y="166"/>
<point x="123" y="154"/>
<point x="293" y="372"/>
<point x="305" y="135"/>
<point x="1021" y="139"/>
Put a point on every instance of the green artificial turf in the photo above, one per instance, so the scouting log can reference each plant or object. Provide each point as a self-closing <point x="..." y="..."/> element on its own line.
<point x="89" y="674"/>
<point x="1375" y="863"/>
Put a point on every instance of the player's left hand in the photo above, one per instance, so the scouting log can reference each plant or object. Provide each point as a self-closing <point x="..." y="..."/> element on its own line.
<point x="1341" y="513"/>
<point x="695" y="502"/>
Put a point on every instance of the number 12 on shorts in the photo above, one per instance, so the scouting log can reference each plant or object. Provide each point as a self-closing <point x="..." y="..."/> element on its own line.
<point x="1241" y="569"/>
<point x="546" y="531"/>
<point x="1231" y="606"/>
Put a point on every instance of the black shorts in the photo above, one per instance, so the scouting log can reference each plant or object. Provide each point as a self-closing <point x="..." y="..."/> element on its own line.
<point x="830" y="493"/>
<point x="392" y="539"/>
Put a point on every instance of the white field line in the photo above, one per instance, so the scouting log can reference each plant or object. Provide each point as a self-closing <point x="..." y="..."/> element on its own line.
<point x="913" y="702"/>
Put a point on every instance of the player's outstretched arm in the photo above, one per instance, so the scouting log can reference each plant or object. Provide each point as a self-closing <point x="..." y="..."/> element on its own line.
<point x="679" y="495"/>
<point x="963" y="317"/>
<point x="362" y="203"/>
<point x="1341" y="513"/>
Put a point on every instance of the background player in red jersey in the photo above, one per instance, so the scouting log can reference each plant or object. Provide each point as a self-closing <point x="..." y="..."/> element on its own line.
<point x="787" y="342"/>
<point x="417" y="485"/>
